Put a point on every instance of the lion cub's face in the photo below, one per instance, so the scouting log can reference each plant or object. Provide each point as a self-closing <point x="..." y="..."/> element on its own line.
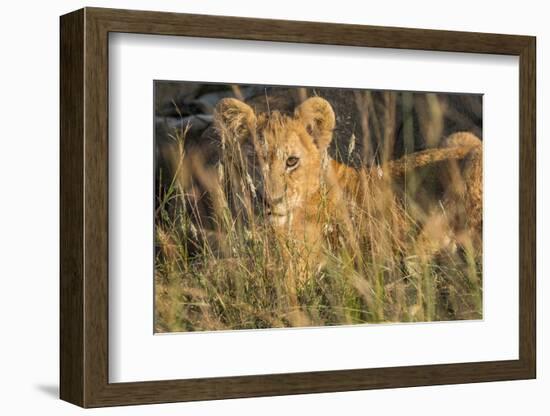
<point x="290" y="150"/>
<point x="291" y="166"/>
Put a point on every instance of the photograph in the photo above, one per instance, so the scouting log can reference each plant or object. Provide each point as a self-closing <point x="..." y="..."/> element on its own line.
<point x="255" y="204"/>
<point x="301" y="206"/>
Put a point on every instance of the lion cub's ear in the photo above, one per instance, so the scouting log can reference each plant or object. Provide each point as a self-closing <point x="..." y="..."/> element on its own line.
<point x="318" y="116"/>
<point x="235" y="118"/>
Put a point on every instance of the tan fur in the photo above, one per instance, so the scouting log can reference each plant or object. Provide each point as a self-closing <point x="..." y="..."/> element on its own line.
<point x="318" y="191"/>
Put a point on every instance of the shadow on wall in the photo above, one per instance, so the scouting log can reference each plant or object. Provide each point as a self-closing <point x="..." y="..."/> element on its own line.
<point x="51" y="390"/>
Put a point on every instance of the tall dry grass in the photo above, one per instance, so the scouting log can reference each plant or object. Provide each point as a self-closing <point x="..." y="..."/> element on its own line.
<point x="386" y="258"/>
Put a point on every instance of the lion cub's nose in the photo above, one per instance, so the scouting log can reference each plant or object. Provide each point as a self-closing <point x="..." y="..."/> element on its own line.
<point x="271" y="205"/>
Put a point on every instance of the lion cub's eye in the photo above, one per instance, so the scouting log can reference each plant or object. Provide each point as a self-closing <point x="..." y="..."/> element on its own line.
<point x="292" y="162"/>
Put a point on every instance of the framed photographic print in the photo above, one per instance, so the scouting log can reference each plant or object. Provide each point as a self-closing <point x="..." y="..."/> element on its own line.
<point x="261" y="207"/>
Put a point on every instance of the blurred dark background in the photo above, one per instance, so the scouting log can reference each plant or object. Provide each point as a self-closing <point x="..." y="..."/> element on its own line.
<point x="371" y="125"/>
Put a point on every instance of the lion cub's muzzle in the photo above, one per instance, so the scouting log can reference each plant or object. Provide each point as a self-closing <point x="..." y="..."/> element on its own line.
<point x="277" y="210"/>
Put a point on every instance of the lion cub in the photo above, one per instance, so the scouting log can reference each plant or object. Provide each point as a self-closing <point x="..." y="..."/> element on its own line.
<point x="308" y="194"/>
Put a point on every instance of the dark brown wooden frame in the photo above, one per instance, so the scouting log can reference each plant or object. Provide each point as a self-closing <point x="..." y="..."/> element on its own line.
<point x="84" y="208"/>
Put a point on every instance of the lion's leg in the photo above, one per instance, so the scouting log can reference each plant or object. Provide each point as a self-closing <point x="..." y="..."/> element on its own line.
<point x="464" y="189"/>
<point x="455" y="222"/>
